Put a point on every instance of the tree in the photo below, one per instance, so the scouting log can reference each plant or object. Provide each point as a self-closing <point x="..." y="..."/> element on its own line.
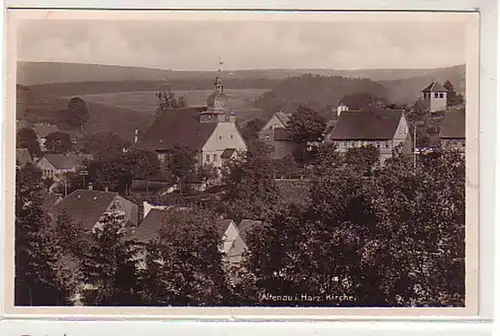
<point x="305" y="126"/>
<point x="108" y="266"/>
<point x="168" y="100"/>
<point x="362" y="100"/>
<point x="250" y="131"/>
<point x="77" y="113"/>
<point x="104" y="145"/>
<point x="184" y="265"/>
<point x="392" y="239"/>
<point x="452" y="97"/>
<point x="250" y="189"/>
<point x="27" y="138"/>
<point x="58" y="143"/>
<point x="39" y="280"/>
<point x="364" y="158"/>
<point x="142" y="164"/>
<point x="423" y="211"/>
<point x="181" y="163"/>
<point x="208" y="173"/>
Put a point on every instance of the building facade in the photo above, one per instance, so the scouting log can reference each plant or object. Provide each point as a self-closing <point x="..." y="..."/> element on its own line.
<point x="209" y="132"/>
<point x="453" y="131"/>
<point x="434" y="97"/>
<point x="386" y="130"/>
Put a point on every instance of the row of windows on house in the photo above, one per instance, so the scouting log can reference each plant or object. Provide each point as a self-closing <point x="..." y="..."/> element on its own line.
<point x="360" y="143"/>
<point x="214" y="156"/>
<point x="231" y="137"/>
<point x="436" y="95"/>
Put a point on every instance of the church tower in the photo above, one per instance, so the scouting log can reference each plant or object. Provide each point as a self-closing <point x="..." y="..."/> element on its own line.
<point x="434" y="97"/>
<point x="218" y="107"/>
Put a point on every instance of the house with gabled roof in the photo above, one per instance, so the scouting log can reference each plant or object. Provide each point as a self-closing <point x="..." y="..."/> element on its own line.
<point x="56" y="166"/>
<point x="434" y="97"/>
<point x="209" y="131"/>
<point x="275" y="134"/>
<point x="385" y="129"/>
<point x="452" y="133"/>
<point x="86" y="207"/>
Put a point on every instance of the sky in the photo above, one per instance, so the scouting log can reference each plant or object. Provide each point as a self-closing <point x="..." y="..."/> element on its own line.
<point x="198" y="45"/>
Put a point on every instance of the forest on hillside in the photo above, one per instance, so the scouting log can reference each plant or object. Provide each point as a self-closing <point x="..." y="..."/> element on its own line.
<point x="316" y="91"/>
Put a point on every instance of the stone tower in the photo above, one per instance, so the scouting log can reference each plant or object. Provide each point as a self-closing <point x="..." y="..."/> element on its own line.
<point x="434" y="97"/>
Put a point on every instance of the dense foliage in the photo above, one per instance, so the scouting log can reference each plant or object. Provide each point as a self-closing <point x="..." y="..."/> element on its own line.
<point x="26" y="138"/>
<point x="315" y="91"/>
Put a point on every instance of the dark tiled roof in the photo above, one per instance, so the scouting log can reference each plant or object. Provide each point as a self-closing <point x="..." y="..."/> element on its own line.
<point x="42" y="130"/>
<point x="180" y="126"/>
<point x="282" y="134"/>
<point x="23" y="156"/>
<point x="366" y="125"/>
<point x="245" y="226"/>
<point x="61" y="161"/>
<point x="222" y="226"/>
<point x="150" y="227"/>
<point x="453" y="125"/>
<point x="227" y="153"/>
<point x="283" y="117"/>
<point x="434" y="87"/>
<point x="49" y="200"/>
<point x="85" y="206"/>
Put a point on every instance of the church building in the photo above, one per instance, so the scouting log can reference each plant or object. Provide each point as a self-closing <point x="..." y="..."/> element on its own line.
<point x="209" y="131"/>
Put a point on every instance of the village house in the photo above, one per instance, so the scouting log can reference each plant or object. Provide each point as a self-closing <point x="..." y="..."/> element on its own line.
<point x="434" y="97"/>
<point x="57" y="166"/>
<point x="383" y="129"/>
<point x="155" y="217"/>
<point x="87" y="206"/>
<point x="43" y="129"/>
<point x="22" y="157"/>
<point x="453" y="131"/>
<point x="209" y="132"/>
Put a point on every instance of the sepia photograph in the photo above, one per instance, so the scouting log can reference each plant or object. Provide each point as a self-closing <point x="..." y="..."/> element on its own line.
<point x="261" y="160"/>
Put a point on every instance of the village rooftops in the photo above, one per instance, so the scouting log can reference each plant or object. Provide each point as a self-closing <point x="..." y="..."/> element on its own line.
<point x="453" y="125"/>
<point x="228" y="153"/>
<point x="85" y="206"/>
<point x="150" y="228"/>
<point x="434" y="87"/>
<point x="62" y="161"/>
<point x="367" y="125"/>
<point x="181" y="126"/>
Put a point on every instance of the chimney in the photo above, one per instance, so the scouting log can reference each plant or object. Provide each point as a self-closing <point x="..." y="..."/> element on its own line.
<point x="91" y="187"/>
<point x="136" y="135"/>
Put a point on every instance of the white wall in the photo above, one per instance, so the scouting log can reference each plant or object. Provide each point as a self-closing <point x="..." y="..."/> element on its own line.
<point x="225" y="135"/>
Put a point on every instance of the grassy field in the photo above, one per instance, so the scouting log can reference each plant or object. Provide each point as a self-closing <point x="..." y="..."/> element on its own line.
<point x="146" y="101"/>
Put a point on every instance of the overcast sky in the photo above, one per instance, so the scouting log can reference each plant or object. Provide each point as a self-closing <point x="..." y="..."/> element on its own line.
<point x="197" y="45"/>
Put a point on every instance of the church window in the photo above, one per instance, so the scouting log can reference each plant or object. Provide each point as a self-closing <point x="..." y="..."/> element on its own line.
<point x="441" y="95"/>
<point x="220" y="137"/>
<point x="231" y="136"/>
<point x="208" y="157"/>
<point x="436" y="95"/>
<point x="215" y="157"/>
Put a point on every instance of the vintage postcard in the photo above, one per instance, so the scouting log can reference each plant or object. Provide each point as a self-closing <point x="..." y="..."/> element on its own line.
<point x="238" y="163"/>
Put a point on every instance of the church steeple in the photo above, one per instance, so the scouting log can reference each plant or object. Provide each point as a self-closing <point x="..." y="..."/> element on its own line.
<point x="219" y="87"/>
<point x="218" y="107"/>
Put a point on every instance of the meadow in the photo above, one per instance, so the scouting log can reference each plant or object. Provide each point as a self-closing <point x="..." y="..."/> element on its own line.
<point x="146" y="102"/>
